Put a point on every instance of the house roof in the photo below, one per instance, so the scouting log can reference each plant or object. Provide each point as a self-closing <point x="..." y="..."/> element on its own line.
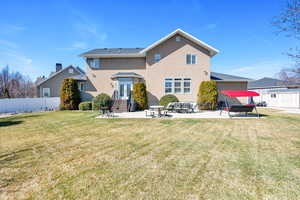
<point x="82" y="75"/>
<point x="266" y="82"/>
<point x="226" y="77"/>
<point x="212" y="50"/>
<point x="126" y="75"/>
<point x="113" y="51"/>
<point x="141" y="52"/>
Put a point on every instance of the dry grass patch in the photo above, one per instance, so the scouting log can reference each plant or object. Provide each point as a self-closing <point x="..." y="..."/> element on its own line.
<point x="73" y="155"/>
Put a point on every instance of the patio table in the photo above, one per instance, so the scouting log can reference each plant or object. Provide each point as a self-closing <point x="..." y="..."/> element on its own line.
<point x="158" y="108"/>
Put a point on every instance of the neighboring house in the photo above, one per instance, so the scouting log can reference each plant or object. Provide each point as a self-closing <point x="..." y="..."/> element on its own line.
<point x="50" y="87"/>
<point x="276" y="93"/>
<point x="175" y="64"/>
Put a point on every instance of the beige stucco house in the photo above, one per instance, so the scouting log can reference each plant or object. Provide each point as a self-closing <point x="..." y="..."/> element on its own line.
<point x="175" y="64"/>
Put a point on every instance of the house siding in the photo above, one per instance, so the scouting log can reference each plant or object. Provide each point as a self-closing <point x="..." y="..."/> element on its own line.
<point x="173" y="65"/>
<point x="99" y="80"/>
<point x="232" y="85"/>
<point x="55" y="82"/>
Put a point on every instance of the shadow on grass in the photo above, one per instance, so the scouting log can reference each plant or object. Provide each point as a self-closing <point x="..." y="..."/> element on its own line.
<point x="9" y="123"/>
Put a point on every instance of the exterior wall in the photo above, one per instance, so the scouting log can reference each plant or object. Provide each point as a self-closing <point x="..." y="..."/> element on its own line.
<point x="285" y="98"/>
<point x="55" y="82"/>
<point x="99" y="80"/>
<point x="173" y="65"/>
<point x="232" y="85"/>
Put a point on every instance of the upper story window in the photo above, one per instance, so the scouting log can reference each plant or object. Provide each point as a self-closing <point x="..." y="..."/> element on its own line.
<point x="191" y="59"/>
<point x="94" y="63"/>
<point x="71" y="71"/>
<point x="178" y="38"/>
<point x="157" y="57"/>
<point x="81" y="86"/>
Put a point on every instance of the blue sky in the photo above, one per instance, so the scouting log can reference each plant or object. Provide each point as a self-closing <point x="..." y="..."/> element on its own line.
<point x="34" y="35"/>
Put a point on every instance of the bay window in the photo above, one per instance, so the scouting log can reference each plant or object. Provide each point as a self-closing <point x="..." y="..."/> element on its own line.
<point x="177" y="85"/>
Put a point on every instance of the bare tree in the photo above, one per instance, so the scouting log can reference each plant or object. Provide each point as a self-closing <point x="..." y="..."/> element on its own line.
<point x="288" y="23"/>
<point x="15" y="85"/>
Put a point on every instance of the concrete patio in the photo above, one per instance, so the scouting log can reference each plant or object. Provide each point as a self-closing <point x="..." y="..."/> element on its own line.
<point x="197" y="115"/>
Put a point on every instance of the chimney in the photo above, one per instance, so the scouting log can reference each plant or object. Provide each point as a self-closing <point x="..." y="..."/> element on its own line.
<point x="58" y="67"/>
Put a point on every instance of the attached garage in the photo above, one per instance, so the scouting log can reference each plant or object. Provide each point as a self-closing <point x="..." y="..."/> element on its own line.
<point x="230" y="82"/>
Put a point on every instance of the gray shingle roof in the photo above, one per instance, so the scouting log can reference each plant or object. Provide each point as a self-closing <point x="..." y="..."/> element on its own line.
<point x="126" y="74"/>
<point x="266" y="83"/>
<point x="226" y="77"/>
<point x="114" y="51"/>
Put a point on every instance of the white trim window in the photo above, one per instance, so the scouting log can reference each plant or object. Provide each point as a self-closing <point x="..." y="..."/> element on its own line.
<point x="71" y="70"/>
<point x="178" y="86"/>
<point x="81" y="86"/>
<point x="186" y="85"/>
<point x="191" y="59"/>
<point x="157" y="57"/>
<point x="46" y="92"/>
<point x="168" y="85"/>
<point x="94" y="63"/>
<point x="178" y="39"/>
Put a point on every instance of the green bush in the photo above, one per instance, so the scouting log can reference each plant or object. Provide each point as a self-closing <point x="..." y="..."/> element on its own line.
<point x="208" y="95"/>
<point x="69" y="95"/>
<point x="86" y="105"/>
<point x="102" y="100"/>
<point x="169" y="98"/>
<point x="140" y="96"/>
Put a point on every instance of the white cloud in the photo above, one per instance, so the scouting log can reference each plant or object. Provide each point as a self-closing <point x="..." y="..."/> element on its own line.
<point x="76" y="46"/>
<point x="11" y="28"/>
<point x="243" y="69"/>
<point x="11" y="55"/>
<point x="210" y="26"/>
<point x="267" y="68"/>
<point x="87" y="28"/>
<point x="8" y="44"/>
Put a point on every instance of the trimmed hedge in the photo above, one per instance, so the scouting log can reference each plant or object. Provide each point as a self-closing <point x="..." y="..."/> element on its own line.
<point x="69" y="95"/>
<point x="86" y="105"/>
<point x="102" y="100"/>
<point x="208" y="95"/>
<point x="169" y="98"/>
<point x="140" y="96"/>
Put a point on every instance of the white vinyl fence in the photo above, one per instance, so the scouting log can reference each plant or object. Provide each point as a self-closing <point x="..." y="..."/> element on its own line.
<point x="20" y="105"/>
<point x="280" y="98"/>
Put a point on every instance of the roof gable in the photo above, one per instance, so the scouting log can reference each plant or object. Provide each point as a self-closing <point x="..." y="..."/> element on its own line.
<point x="141" y="52"/>
<point x="212" y="50"/>
<point x="80" y="71"/>
<point x="267" y="82"/>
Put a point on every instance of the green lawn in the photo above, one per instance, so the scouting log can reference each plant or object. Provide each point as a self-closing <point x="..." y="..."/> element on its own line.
<point x="73" y="155"/>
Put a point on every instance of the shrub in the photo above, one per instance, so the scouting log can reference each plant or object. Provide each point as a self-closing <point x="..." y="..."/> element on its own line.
<point x="208" y="95"/>
<point x="102" y="100"/>
<point x="69" y="95"/>
<point x="140" y="96"/>
<point x="169" y="98"/>
<point x="86" y="105"/>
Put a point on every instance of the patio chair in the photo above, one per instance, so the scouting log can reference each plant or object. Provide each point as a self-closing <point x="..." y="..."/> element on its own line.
<point x="170" y="107"/>
<point x="150" y="113"/>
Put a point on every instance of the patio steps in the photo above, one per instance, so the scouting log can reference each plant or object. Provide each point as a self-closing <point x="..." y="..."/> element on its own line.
<point x="119" y="106"/>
